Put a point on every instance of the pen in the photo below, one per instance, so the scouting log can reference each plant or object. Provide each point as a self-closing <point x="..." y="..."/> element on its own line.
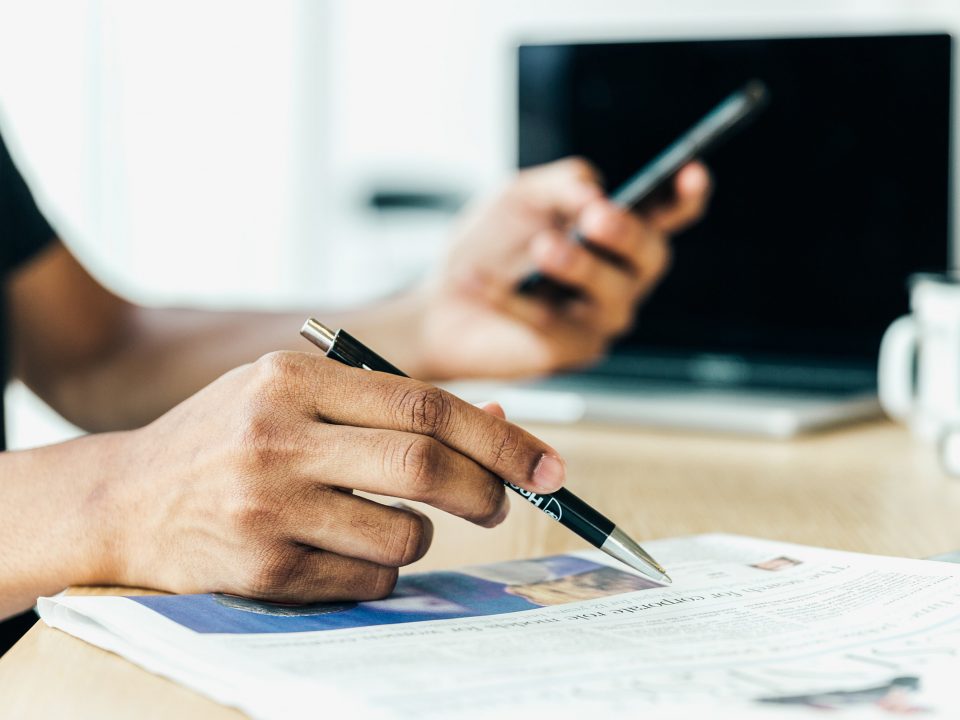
<point x="562" y="505"/>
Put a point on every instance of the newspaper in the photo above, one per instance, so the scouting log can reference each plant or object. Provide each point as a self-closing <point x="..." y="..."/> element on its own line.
<point x="750" y="628"/>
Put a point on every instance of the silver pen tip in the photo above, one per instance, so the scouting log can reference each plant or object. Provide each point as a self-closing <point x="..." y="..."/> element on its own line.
<point x="654" y="573"/>
<point x="626" y="550"/>
<point x="319" y="334"/>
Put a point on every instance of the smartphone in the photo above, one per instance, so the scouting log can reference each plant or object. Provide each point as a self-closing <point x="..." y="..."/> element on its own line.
<point x="650" y="182"/>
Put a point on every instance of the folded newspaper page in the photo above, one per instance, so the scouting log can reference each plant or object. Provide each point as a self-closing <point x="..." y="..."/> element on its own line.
<point x="750" y="628"/>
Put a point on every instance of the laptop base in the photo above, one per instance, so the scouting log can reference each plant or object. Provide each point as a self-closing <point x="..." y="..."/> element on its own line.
<point x="771" y="413"/>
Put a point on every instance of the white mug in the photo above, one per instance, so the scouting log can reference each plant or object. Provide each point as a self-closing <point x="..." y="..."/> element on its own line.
<point x="919" y="370"/>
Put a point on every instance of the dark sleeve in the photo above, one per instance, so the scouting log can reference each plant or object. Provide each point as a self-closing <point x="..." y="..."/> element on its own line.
<point x="23" y="230"/>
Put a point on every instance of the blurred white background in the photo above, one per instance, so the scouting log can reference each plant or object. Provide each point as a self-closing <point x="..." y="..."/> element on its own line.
<point x="218" y="152"/>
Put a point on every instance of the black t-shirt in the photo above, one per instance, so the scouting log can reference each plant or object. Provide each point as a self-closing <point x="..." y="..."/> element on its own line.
<point x="23" y="229"/>
<point x="23" y="233"/>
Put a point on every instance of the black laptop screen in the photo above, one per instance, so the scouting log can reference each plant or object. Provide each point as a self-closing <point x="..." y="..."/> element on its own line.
<point x="822" y="207"/>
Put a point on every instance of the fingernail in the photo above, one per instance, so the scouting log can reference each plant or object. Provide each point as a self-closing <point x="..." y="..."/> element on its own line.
<point x="549" y="473"/>
<point x="693" y="179"/>
<point x="495" y="409"/>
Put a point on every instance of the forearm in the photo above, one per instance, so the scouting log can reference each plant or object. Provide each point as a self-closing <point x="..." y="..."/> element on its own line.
<point x="57" y="527"/>
<point x="166" y="355"/>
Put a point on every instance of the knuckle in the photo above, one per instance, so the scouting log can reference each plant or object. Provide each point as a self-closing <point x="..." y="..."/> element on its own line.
<point x="426" y="409"/>
<point x="267" y="435"/>
<point x="378" y="583"/>
<point x="279" y="364"/>
<point x="272" y="573"/>
<point x="261" y="438"/>
<point x="416" y="465"/>
<point x="250" y="512"/>
<point x="490" y="502"/>
<point x="280" y="376"/>
<point x="506" y="446"/>
<point x="406" y="535"/>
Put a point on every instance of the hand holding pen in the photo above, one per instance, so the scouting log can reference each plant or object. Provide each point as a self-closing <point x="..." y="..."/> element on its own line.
<point x="247" y="486"/>
<point x="560" y="504"/>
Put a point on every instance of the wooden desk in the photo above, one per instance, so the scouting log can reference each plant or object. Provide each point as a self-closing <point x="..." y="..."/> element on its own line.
<point x="870" y="488"/>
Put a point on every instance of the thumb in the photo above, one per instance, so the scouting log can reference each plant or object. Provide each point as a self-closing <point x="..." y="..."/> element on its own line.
<point x="493" y="408"/>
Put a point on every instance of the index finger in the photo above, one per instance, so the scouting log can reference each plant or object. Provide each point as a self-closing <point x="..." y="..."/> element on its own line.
<point x="364" y="398"/>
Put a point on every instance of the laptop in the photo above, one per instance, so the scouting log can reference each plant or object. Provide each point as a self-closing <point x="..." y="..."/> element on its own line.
<point x="770" y="320"/>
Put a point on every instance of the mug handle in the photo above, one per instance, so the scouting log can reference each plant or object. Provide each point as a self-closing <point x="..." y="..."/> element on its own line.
<point x="895" y="369"/>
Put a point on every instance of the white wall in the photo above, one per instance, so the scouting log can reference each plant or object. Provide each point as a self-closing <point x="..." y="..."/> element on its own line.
<point x="165" y="139"/>
<point x="424" y="89"/>
<point x="215" y="152"/>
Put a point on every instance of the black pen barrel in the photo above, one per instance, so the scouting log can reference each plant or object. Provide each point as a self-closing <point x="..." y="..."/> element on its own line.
<point x="571" y="512"/>
<point x="350" y="351"/>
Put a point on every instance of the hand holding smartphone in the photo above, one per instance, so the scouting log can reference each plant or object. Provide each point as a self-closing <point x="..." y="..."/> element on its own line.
<point x="719" y="124"/>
